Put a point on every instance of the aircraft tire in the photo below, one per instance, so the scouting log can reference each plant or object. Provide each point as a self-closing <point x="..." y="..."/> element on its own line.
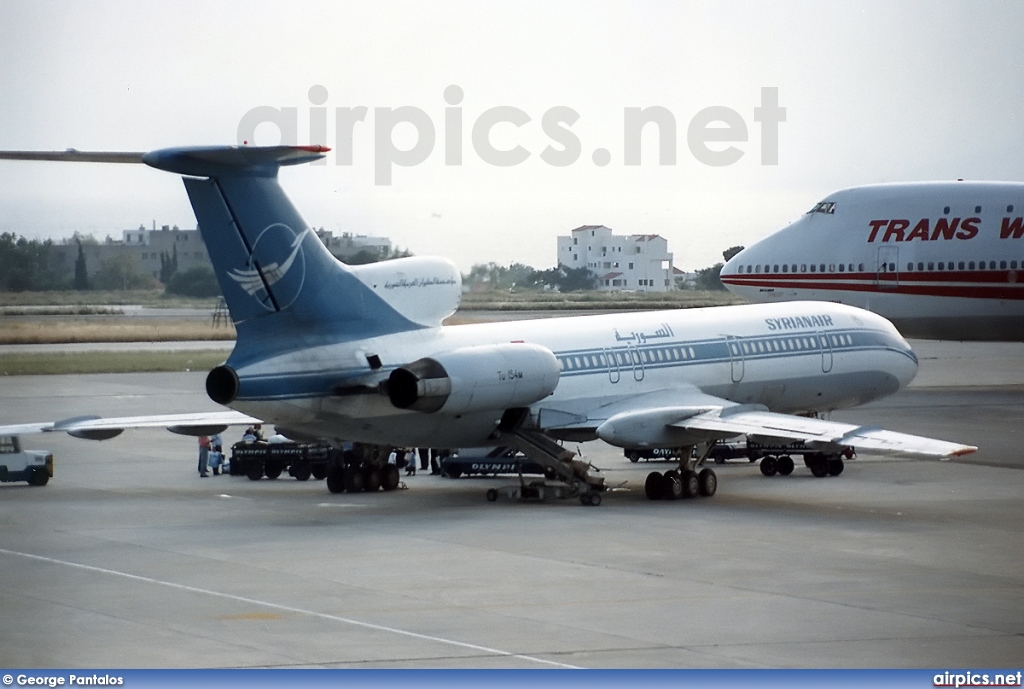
<point x="708" y="481"/>
<point x="672" y="476"/>
<point x="673" y="486"/>
<point x="769" y="466"/>
<point x="654" y="486"/>
<point x="819" y="466"/>
<point x="352" y="479"/>
<point x="691" y="485"/>
<point x="785" y="465"/>
<point x="336" y="480"/>
<point x="371" y="479"/>
<point x="390" y="478"/>
<point x="835" y="466"/>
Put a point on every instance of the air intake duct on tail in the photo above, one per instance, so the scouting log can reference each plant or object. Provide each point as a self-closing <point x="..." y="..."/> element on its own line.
<point x="482" y="378"/>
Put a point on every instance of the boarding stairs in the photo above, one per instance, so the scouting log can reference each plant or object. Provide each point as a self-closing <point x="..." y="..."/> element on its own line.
<point x="580" y="475"/>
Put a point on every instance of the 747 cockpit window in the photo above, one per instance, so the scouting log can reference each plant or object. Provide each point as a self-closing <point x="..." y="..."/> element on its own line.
<point x="828" y="207"/>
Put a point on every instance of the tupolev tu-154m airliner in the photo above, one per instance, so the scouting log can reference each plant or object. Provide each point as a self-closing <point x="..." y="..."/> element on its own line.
<point x="359" y="354"/>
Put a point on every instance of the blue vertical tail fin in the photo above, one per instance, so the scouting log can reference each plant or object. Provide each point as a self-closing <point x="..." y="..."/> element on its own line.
<point x="277" y="277"/>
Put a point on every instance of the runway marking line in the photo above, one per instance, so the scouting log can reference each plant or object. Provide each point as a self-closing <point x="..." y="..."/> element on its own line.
<point x="288" y="608"/>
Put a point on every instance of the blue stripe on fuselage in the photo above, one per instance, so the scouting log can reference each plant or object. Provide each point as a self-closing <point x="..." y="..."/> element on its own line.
<point x="759" y="347"/>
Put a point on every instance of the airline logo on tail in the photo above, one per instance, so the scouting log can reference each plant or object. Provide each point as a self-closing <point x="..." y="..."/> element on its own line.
<point x="263" y="271"/>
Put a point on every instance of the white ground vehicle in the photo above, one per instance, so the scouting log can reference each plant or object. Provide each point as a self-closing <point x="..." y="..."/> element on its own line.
<point x="34" y="466"/>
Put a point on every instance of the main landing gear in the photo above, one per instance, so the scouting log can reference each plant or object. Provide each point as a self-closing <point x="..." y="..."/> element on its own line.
<point x="820" y="464"/>
<point x="363" y="469"/>
<point x="690" y="480"/>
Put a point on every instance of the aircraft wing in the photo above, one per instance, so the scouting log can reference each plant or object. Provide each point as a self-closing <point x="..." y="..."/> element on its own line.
<point x="760" y="422"/>
<point x="97" y="428"/>
<point x="660" y="419"/>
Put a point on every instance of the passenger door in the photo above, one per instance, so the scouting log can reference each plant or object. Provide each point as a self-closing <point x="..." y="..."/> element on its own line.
<point x="826" y="352"/>
<point x="735" y="357"/>
<point x="888" y="273"/>
<point x="613" y="366"/>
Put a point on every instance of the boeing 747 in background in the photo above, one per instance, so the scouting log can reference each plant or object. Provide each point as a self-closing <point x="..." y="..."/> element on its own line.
<point x="359" y="354"/>
<point x="941" y="260"/>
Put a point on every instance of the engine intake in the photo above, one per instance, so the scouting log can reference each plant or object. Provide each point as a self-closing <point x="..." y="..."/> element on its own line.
<point x="478" y="378"/>
<point x="222" y="384"/>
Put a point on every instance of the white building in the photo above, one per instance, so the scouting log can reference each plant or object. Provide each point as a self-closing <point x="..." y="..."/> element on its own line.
<point x="146" y="245"/>
<point x="636" y="262"/>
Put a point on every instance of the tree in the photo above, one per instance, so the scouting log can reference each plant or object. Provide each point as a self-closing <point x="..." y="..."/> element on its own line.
<point x="362" y="257"/>
<point x="122" y="273"/>
<point x="500" y="277"/>
<point x="577" y="279"/>
<point x="26" y="265"/>
<point x="194" y="282"/>
<point x="81" y="273"/>
<point x="730" y="252"/>
<point x="564" y="279"/>
<point x="396" y="253"/>
<point x="168" y="265"/>
<point x="710" y="278"/>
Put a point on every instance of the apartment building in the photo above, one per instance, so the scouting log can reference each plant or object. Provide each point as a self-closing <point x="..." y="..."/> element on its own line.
<point x="635" y="262"/>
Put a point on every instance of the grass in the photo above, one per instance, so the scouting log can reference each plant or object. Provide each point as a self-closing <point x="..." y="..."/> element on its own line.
<point x="154" y="298"/>
<point x="108" y="362"/>
<point x="106" y="329"/>
<point x="73" y="317"/>
<point x="573" y="301"/>
<point x="67" y="310"/>
<point x="527" y="300"/>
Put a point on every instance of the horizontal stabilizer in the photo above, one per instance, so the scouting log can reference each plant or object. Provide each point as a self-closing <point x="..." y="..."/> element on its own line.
<point x="210" y="161"/>
<point x="73" y="156"/>
<point x="190" y="160"/>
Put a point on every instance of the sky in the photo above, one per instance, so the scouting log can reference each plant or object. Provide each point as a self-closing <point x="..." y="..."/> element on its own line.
<point x="537" y="97"/>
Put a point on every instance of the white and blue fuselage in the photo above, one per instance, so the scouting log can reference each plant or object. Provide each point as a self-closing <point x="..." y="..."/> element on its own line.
<point x="796" y="357"/>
